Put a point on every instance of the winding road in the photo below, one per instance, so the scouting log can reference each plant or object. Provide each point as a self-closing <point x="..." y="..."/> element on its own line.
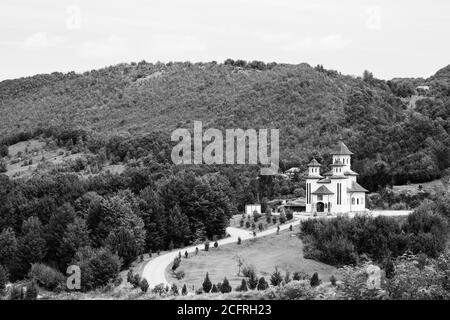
<point x="155" y="270"/>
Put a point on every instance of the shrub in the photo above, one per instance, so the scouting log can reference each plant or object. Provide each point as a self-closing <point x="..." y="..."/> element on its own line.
<point x="276" y="278"/>
<point x="179" y="274"/>
<point x="130" y="276"/>
<point x="287" y="277"/>
<point x="289" y="214"/>
<point x="247" y="224"/>
<point x="184" y="290"/>
<point x="32" y="291"/>
<point x="16" y="293"/>
<point x="282" y="218"/>
<point x="214" y="289"/>
<point x="225" y="287"/>
<point x="136" y="281"/>
<point x="274" y="220"/>
<point x="144" y="285"/>
<point x="186" y="254"/>
<point x="207" y="284"/>
<point x="176" y="263"/>
<point x="262" y="284"/>
<point x="389" y="269"/>
<point x="159" y="289"/>
<point x="299" y="275"/>
<point x="248" y="270"/>
<point x="3" y="279"/>
<point x="315" y="281"/>
<point x="46" y="276"/>
<point x="207" y="246"/>
<point x="239" y="241"/>
<point x="216" y="244"/>
<point x="243" y="286"/>
<point x="174" y="290"/>
<point x="241" y="223"/>
<point x="290" y="227"/>
<point x="297" y="290"/>
<point x="333" y="280"/>
<point x="260" y="227"/>
<point x="252" y="281"/>
<point x="268" y="219"/>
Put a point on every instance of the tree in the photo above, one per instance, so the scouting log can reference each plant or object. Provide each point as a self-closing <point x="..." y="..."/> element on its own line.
<point x="186" y="254"/>
<point x="32" y="291"/>
<point x="3" y="279"/>
<point x="184" y="290"/>
<point x="3" y="151"/>
<point x="144" y="285"/>
<point x="214" y="289"/>
<point x="31" y="246"/>
<point x="225" y="287"/>
<point x="8" y="248"/>
<point x="262" y="284"/>
<point x="315" y="281"/>
<point x="216" y="244"/>
<point x="207" y="246"/>
<point x="243" y="286"/>
<point x="276" y="278"/>
<point x="239" y="241"/>
<point x="252" y="281"/>
<point x="174" y="290"/>
<point x="333" y="280"/>
<point x="207" y="284"/>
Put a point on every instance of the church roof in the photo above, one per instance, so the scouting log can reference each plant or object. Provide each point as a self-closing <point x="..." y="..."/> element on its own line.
<point x="356" y="188"/>
<point x="322" y="190"/>
<point x="314" y="163"/>
<point x="341" y="149"/>
<point x="350" y="172"/>
<point x="325" y="180"/>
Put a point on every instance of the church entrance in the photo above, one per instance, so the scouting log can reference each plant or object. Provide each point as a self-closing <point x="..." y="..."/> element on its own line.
<point x="320" y="207"/>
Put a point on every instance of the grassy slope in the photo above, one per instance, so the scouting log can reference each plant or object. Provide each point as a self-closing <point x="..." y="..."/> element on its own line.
<point x="284" y="251"/>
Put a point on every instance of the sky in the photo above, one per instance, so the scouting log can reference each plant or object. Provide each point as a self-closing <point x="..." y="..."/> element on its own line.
<point x="391" y="38"/>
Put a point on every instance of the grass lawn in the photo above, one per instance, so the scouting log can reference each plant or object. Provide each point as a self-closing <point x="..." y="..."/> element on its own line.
<point x="284" y="251"/>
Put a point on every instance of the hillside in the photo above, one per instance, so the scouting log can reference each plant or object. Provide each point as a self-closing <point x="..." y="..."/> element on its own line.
<point x="312" y="107"/>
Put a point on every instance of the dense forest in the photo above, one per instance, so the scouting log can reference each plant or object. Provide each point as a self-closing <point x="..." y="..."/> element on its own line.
<point x="125" y="114"/>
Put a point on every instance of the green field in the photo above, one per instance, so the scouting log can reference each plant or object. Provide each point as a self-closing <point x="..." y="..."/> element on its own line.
<point x="284" y="251"/>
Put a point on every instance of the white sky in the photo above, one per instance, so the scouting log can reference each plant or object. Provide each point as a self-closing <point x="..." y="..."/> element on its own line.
<point x="391" y="38"/>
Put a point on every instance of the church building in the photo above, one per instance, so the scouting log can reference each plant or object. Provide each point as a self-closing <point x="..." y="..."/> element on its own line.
<point x="334" y="192"/>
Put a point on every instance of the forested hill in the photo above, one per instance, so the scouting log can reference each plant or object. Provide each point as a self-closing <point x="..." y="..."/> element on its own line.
<point x="312" y="107"/>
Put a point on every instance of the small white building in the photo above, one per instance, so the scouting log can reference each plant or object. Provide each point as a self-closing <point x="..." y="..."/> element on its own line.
<point x="336" y="191"/>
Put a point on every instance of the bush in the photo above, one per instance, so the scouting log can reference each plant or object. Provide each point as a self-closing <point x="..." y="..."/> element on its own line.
<point x="289" y="214"/>
<point x="144" y="285"/>
<point x="252" y="281"/>
<point x="243" y="286"/>
<point x="262" y="284"/>
<point x="225" y="287"/>
<point x="248" y="270"/>
<point x="389" y="269"/>
<point x="216" y="244"/>
<point x="239" y="241"/>
<point x="176" y="263"/>
<point x="315" y="281"/>
<point x="333" y="280"/>
<point x="159" y="289"/>
<point x="241" y="223"/>
<point x="136" y="281"/>
<point x="299" y="275"/>
<point x="296" y="290"/>
<point x="184" y="290"/>
<point x="32" y="291"/>
<point x="274" y="220"/>
<point x="207" y="285"/>
<point x="276" y="278"/>
<point x="174" y="290"/>
<point x="214" y="289"/>
<point x="282" y="218"/>
<point x="247" y="224"/>
<point x="207" y="246"/>
<point x="3" y="279"/>
<point x="16" y="293"/>
<point x="179" y="274"/>
<point x="46" y="277"/>
<point x="260" y="227"/>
